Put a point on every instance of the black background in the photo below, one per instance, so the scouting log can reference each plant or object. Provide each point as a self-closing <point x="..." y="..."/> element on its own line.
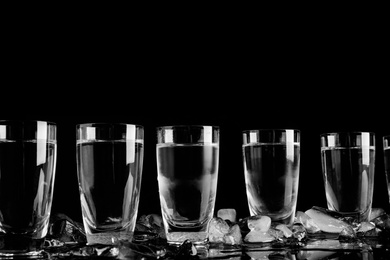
<point x="313" y="78"/>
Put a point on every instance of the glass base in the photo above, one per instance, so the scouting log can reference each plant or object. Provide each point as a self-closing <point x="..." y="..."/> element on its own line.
<point x="108" y="238"/>
<point x="11" y="254"/>
<point x="177" y="238"/>
<point x="360" y="216"/>
<point x="20" y="246"/>
<point x="286" y="219"/>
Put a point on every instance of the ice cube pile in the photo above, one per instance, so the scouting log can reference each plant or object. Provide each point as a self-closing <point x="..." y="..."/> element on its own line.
<point x="67" y="237"/>
<point x="314" y="222"/>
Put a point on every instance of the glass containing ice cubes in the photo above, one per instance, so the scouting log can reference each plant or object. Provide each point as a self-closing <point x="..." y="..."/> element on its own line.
<point x="348" y="165"/>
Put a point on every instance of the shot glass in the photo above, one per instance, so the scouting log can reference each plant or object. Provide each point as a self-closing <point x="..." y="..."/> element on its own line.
<point x="386" y="153"/>
<point x="109" y="171"/>
<point x="187" y="166"/>
<point x="348" y="165"/>
<point x="28" y="154"/>
<point x="271" y="165"/>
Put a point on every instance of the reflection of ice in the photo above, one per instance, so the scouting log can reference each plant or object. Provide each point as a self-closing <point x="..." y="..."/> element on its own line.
<point x="316" y="255"/>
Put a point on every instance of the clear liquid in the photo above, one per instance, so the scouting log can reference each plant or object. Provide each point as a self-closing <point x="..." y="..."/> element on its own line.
<point x="109" y="174"/>
<point x="26" y="190"/>
<point x="349" y="179"/>
<point x="187" y="178"/>
<point x="272" y="177"/>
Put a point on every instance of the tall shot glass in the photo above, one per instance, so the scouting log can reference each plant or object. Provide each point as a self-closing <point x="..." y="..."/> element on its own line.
<point x="28" y="156"/>
<point x="386" y="154"/>
<point x="187" y="164"/>
<point x="271" y="166"/>
<point x="109" y="170"/>
<point x="348" y="165"/>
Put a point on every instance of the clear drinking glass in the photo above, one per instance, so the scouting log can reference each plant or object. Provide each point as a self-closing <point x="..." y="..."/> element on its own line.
<point x="271" y="165"/>
<point x="386" y="152"/>
<point x="348" y="165"/>
<point x="187" y="164"/>
<point x="28" y="154"/>
<point x="109" y="170"/>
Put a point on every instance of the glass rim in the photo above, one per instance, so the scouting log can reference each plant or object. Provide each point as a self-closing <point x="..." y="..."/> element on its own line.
<point x="270" y="129"/>
<point x="347" y="132"/>
<point x="107" y="124"/>
<point x="23" y="121"/>
<point x="271" y="136"/>
<point x="186" y="126"/>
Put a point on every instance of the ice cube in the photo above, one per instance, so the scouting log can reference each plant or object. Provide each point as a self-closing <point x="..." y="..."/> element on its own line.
<point x="151" y="223"/>
<point x="326" y="222"/>
<point x="307" y="222"/>
<point x="186" y="249"/>
<point x="365" y="227"/>
<point x="256" y="235"/>
<point x="376" y="212"/>
<point x="286" y="231"/>
<point x="259" y="223"/>
<point x="155" y="219"/>
<point x="298" y="231"/>
<point x="233" y="237"/>
<point x="347" y="233"/>
<point x="382" y="222"/>
<point x="218" y="228"/>
<point x="64" y="229"/>
<point x="227" y="214"/>
<point x="276" y="233"/>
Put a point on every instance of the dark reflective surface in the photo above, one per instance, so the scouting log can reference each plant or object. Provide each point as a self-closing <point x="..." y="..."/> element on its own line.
<point x="158" y="249"/>
<point x="66" y="240"/>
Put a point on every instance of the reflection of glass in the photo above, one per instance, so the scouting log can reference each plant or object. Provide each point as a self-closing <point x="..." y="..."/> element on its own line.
<point x="109" y="165"/>
<point x="271" y="163"/>
<point x="28" y="154"/>
<point x="348" y="162"/>
<point x="187" y="163"/>
<point x="386" y="152"/>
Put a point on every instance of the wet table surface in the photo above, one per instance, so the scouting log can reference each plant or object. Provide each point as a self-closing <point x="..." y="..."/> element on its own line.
<point x="312" y="248"/>
<point x="67" y="240"/>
